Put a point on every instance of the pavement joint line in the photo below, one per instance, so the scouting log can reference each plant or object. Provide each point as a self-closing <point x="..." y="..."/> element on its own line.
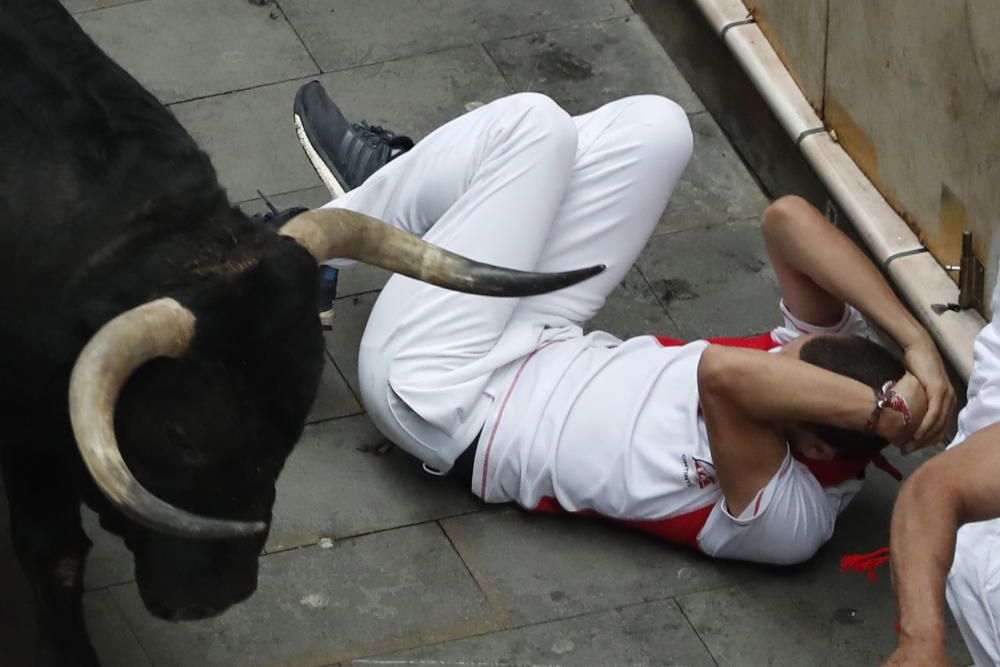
<point x="333" y="419"/>
<point x="652" y="292"/>
<point x="314" y="543"/>
<point x="128" y="624"/>
<point x="343" y="378"/>
<point x="295" y="31"/>
<point x="406" y="642"/>
<point x="558" y="619"/>
<point x="101" y="9"/>
<point x="245" y="89"/>
<point x="694" y="630"/>
<point x="320" y="71"/>
<point x="275" y="195"/>
<point x="754" y="219"/>
<point x="357" y="294"/>
<point x="482" y="581"/>
<point x="496" y="65"/>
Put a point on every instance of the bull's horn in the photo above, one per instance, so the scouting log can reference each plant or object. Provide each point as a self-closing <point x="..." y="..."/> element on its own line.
<point x="330" y="233"/>
<point x="161" y="328"/>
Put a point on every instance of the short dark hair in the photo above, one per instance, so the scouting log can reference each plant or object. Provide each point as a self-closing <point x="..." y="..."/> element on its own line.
<point x="862" y="360"/>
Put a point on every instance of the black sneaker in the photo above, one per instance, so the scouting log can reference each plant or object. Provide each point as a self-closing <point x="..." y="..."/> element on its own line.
<point x="276" y="218"/>
<point x="343" y="154"/>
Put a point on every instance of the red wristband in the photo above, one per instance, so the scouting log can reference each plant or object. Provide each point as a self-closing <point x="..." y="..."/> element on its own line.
<point x="887" y="398"/>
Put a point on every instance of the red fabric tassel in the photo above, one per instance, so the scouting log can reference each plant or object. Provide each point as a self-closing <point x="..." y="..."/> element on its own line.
<point x="865" y="563"/>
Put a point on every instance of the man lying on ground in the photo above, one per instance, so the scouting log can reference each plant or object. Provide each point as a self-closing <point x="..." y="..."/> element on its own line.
<point x="747" y="448"/>
<point x="946" y="530"/>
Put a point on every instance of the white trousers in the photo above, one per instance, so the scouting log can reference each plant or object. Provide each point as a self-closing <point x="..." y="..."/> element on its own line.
<point x="517" y="183"/>
<point x="974" y="581"/>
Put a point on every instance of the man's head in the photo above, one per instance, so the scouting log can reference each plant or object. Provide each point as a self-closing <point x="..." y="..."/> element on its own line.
<point x="859" y="359"/>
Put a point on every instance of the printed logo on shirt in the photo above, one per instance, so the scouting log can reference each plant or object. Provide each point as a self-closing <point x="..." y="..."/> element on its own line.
<point x="697" y="472"/>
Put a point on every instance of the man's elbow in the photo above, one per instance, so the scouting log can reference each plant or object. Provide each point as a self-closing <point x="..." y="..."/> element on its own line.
<point x="715" y="372"/>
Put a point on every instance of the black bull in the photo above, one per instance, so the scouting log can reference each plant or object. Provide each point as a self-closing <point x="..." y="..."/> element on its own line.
<point x="106" y="204"/>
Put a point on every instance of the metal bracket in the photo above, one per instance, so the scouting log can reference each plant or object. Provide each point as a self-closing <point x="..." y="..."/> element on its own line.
<point x="971" y="276"/>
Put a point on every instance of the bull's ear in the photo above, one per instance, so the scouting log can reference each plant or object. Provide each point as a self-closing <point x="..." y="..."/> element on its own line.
<point x="161" y="328"/>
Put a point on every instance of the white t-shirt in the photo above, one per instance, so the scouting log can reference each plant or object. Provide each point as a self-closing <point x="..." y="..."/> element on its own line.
<point x="598" y="425"/>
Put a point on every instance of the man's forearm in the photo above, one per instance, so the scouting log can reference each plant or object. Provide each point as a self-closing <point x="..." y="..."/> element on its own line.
<point x="924" y="524"/>
<point x="814" y="247"/>
<point x="954" y="488"/>
<point x="777" y="389"/>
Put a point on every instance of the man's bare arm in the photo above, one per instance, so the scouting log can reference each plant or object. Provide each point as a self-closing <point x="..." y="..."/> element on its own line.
<point x="957" y="487"/>
<point x="747" y="396"/>
<point x="819" y="269"/>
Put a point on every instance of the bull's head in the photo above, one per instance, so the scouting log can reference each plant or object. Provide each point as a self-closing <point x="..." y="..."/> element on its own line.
<point x="189" y="565"/>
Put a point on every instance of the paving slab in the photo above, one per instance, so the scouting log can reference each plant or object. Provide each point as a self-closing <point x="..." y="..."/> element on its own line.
<point x="540" y="567"/>
<point x="345" y="33"/>
<point x="113" y="641"/>
<point x="584" y="67"/>
<point x="651" y="635"/>
<point x="812" y="614"/>
<point x="714" y="282"/>
<point x="716" y="188"/>
<point x="343" y="479"/>
<point x="632" y="309"/>
<point x="249" y="133"/>
<point x="182" y="49"/>
<point x="334" y="398"/>
<point x="350" y="317"/>
<point x="250" y="139"/>
<point x="416" y="95"/>
<point x="109" y="562"/>
<point x="374" y="594"/>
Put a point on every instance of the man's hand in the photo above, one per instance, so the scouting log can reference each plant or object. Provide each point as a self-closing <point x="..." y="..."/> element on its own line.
<point x="924" y="362"/>
<point x="918" y="653"/>
<point x="892" y="425"/>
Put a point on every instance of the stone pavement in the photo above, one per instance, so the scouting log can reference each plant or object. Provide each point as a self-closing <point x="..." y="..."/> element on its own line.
<point x="370" y="561"/>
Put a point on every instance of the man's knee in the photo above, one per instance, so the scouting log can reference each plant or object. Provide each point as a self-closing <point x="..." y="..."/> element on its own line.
<point x="538" y="117"/>
<point x="786" y="210"/>
<point x="663" y="128"/>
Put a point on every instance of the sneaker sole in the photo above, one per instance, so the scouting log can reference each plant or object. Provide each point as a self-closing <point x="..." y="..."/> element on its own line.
<point x="322" y="169"/>
<point x="326" y="319"/>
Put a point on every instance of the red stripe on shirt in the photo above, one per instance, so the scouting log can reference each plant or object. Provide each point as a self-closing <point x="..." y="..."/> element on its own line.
<point x="762" y="341"/>
<point x="503" y="406"/>
<point x="680" y="529"/>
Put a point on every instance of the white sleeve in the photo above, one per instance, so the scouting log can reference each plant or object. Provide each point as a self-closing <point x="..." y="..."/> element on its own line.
<point x="787" y="522"/>
<point x="851" y="323"/>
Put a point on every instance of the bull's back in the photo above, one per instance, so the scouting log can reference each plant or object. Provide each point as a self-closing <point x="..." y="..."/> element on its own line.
<point x="91" y="166"/>
<point x="86" y="151"/>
